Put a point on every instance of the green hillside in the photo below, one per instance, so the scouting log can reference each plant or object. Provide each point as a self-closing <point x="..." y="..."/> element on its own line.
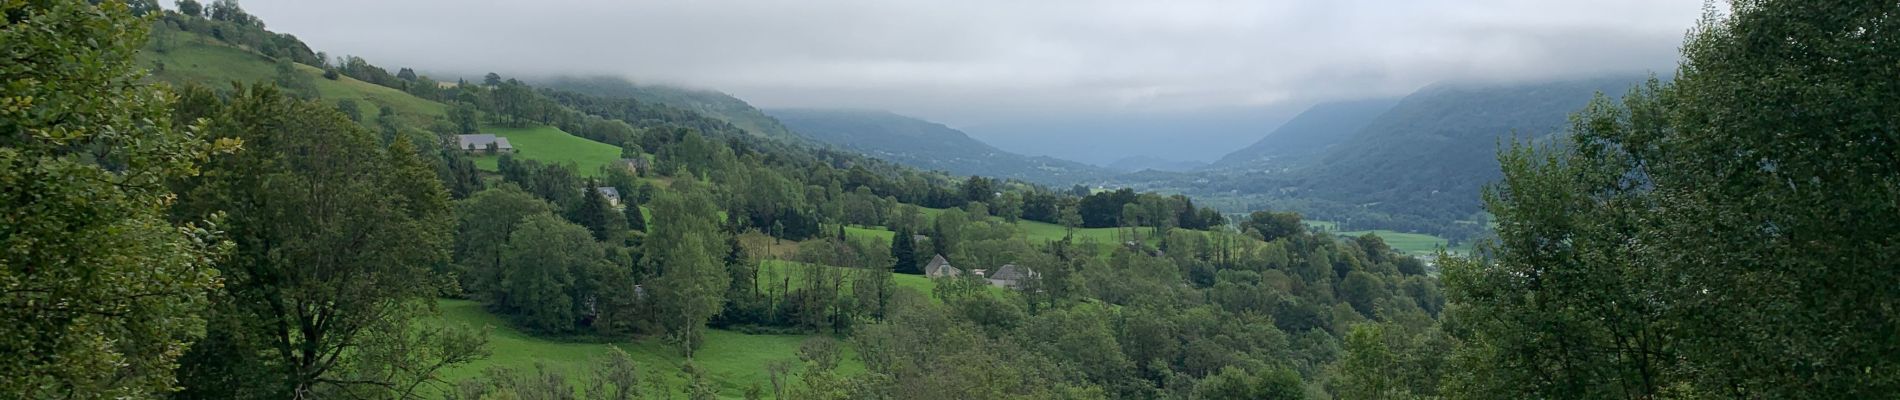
<point x="1429" y="155"/>
<point x="180" y="57"/>
<point x="551" y="145"/>
<point x="1311" y="132"/>
<point x="719" y="105"/>
<point x="734" y="360"/>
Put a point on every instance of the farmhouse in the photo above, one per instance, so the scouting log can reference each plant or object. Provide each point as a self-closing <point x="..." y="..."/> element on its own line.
<point x="483" y="144"/>
<point x="612" y="194"/>
<point x="939" y="267"/>
<point x="634" y="165"/>
<point x="1011" y="276"/>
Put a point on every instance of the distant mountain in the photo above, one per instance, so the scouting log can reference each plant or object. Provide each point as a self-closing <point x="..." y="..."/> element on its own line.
<point x="1144" y="163"/>
<point x="1310" y="133"/>
<point x="1432" y="152"/>
<point x="929" y="145"/>
<point x="709" y="102"/>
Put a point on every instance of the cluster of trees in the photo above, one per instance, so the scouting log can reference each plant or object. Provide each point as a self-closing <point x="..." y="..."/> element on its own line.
<point x="225" y="20"/>
<point x="1124" y="207"/>
<point x="1698" y="239"/>
<point x="1218" y="314"/>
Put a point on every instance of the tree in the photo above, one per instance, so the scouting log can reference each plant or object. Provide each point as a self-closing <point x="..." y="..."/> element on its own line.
<point x="1009" y="206"/>
<point x="1273" y="225"/>
<point x="904" y="253"/>
<point x="1236" y="383"/>
<point x="229" y="11"/>
<point x="1700" y="239"/>
<point x="101" y="292"/>
<point x="616" y="377"/>
<point x="541" y="267"/>
<point x="607" y="224"/>
<point x="337" y="240"/>
<point x="463" y="115"/>
<point x="1070" y="219"/>
<point x="491" y="80"/>
<point x="683" y="247"/>
<point x="1366" y="372"/>
<point x="978" y="189"/>
<point x="636" y="219"/>
<point x="485" y="222"/>
<point x="191" y="8"/>
<point x="947" y="233"/>
<point x="349" y="109"/>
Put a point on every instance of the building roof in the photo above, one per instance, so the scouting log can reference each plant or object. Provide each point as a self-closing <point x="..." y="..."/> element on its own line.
<point x="609" y="191"/>
<point x="481" y="141"/>
<point x="940" y="267"/>
<point x="1011" y="272"/>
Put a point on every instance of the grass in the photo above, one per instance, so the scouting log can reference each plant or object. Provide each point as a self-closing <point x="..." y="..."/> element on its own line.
<point x="869" y="233"/>
<point x="550" y="144"/>
<point x="1411" y="243"/>
<point x="733" y="360"/>
<point x="193" y="58"/>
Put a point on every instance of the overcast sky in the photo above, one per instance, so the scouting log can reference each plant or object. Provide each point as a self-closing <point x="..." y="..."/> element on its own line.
<point x="992" y="67"/>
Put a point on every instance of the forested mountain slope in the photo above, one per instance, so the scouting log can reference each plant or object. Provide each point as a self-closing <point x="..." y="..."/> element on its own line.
<point x="1312" y="132"/>
<point x="1431" y="152"/>
<point x="709" y="102"/>
<point x="929" y="145"/>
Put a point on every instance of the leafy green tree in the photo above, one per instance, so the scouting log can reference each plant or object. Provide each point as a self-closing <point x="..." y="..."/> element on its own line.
<point x="349" y="109"/>
<point x="485" y="223"/>
<point x="101" y="292"/>
<point x="616" y="377"/>
<point x="947" y="232"/>
<point x="337" y="240"/>
<point x="1707" y="237"/>
<point x="463" y="115"/>
<point x="1273" y="225"/>
<point x="541" y="267"/>
<point x="1009" y="206"/>
<point x="636" y="219"/>
<point x="607" y="224"/>
<point x="978" y="189"/>
<point x="683" y="249"/>
<point x="191" y="8"/>
<point x="1236" y="383"/>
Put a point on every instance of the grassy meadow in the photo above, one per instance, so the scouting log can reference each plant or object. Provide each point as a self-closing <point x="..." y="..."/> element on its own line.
<point x="1410" y="243"/>
<point x="734" y="360"/>
<point x="550" y="144"/>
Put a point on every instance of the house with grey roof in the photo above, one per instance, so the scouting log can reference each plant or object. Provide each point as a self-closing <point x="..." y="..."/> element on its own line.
<point x="1011" y="276"/>
<point x="483" y="144"/>
<point x="634" y="165"/>
<point x="612" y="194"/>
<point x="939" y="267"/>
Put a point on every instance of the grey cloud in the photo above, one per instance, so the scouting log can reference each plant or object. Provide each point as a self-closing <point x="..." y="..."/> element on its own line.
<point x="981" y="62"/>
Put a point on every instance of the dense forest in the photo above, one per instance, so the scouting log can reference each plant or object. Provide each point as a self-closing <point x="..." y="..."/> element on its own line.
<point x="1717" y="235"/>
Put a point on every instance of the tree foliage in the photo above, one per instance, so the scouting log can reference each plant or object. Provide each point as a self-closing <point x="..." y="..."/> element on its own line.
<point x="100" y="292"/>
<point x="1709" y="236"/>
<point x="338" y="239"/>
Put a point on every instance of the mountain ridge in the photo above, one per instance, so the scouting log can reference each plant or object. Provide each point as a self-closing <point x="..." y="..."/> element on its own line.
<point x="928" y="145"/>
<point x="1311" y="132"/>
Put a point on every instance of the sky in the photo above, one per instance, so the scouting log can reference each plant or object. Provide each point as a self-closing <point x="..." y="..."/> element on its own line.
<point x="1089" y="80"/>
